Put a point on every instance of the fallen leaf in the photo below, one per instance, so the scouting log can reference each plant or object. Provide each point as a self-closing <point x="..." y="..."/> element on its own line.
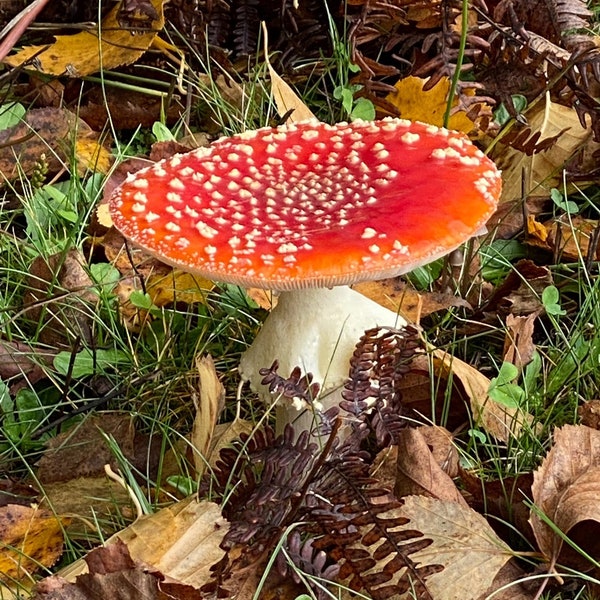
<point x="411" y="304"/>
<point x="177" y="286"/>
<point x="82" y="451"/>
<point x="589" y="413"/>
<point x="103" y="47"/>
<point x="518" y="342"/>
<point x="23" y="364"/>
<point x="521" y="292"/>
<point x="500" y="421"/>
<point x="48" y="139"/>
<point x="14" y="492"/>
<point x="181" y="541"/>
<point x="429" y="106"/>
<point x="503" y="501"/>
<point x="462" y="541"/>
<point x="569" y="237"/>
<point x="61" y="296"/>
<point x="30" y="538"/>
<point x="542" y="170"/>
<point x="512" y="579"/>
<point x="114" y="574"/>
<point x="419" y="473"/>
<point x="537" y="230"/>
<point x="223" y="436"/>
<point x="95" y="500"/>
<point x="209" y="402"/>
<point x="286" y="99"/>
<point x="566" y="488"/>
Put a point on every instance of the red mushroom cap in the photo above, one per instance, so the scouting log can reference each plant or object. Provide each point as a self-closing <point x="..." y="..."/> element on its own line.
<point x="311" y="204"/>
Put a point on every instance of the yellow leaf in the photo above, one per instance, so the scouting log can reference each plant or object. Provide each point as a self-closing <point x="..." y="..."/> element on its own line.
<point x="92" y="156"/>
<point x="536" y="229"/>
<point x="429" y="106"/>
<point x="29" y="539"/>
<point x="90" y="51"/>
<point x="177" y="286"/>
<point x="182" y="541"/>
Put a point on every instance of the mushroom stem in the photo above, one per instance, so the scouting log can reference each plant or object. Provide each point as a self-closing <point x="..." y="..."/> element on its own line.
<point x="316" y="330"/>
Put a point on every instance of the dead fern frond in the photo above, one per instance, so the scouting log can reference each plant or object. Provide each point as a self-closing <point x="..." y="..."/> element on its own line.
<point x="355" y="523"/>
<point x="371" y="395"/>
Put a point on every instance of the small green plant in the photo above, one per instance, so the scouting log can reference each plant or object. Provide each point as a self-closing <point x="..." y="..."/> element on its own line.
<point x="503" y="389"/>
<point x="355" y="108"/>
<point x="562" y="203"/>
<point x="551" y="301"/>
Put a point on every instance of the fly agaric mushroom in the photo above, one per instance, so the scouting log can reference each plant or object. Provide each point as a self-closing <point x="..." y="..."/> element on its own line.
<point x="305" y="207"/>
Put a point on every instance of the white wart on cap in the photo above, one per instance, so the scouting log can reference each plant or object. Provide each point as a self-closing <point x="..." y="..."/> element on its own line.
<point x="311" y="204"/>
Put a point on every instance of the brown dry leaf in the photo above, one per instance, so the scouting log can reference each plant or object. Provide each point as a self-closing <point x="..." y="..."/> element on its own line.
<point x="511" y="577"/>
<point x="504" y="500"/>
<point x="114" y="575"/>
<point x="209" y="401"/>
<point x="566" y="488"/>
<point x="518" y="342"/>
<point x="49" y="138"/>
<point x="61" y="295"/>
<point x="21" y="364"/>
<point x="90" y="51"/>
<point x="399" y="297"/>
<point x="498" y="420"/>
<point x="182" y="541"/>
<point x="521" y="292"/>
<point x="462" y="541"/>
<point x="543" y="170"/>
<point x="589" y="413"/>
<point x="224" y="435"/>
<point x="83" y="452"/>
<point x="30" y="538"/>
<point x="419" y="473"/>
<point x="575" y="234"/>
<point x="94" y="500"/>
<point x="264" y="298"/>
<point x="428" y="106"/>
<point x="286" y="99"/>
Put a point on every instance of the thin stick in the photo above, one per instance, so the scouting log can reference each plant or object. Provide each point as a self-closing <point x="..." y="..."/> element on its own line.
<point x="14" y="30"/>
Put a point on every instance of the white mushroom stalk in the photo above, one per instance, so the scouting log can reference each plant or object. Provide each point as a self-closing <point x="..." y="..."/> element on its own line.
<point x="306" y="207"/>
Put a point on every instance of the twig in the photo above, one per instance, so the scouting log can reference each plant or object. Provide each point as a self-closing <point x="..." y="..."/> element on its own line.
<point x="15" y="28"/>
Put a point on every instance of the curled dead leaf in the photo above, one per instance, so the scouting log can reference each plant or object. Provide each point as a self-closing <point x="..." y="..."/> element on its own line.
<point x="565" y="489"/>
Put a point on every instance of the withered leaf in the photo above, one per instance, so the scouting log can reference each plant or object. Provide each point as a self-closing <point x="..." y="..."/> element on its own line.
<point x="209" y="401"/>
<point x="49" y="138"/>
<point x="182" y="541"/>
<point x="30" y="537"/>
<point x="82" y="451"/>
<point x="462" y="541"/>
<point x="105" y="47"/>
<point x="566" y="488"/>
<point x="419" y="473"/>
<point x="397" y="296"/>
<point x="499" y="420"/>
<point x="543" y="169"/>
<point x="417" y="103"/>
<point x="518" y="343"/>
<point x="114" y="574"/>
